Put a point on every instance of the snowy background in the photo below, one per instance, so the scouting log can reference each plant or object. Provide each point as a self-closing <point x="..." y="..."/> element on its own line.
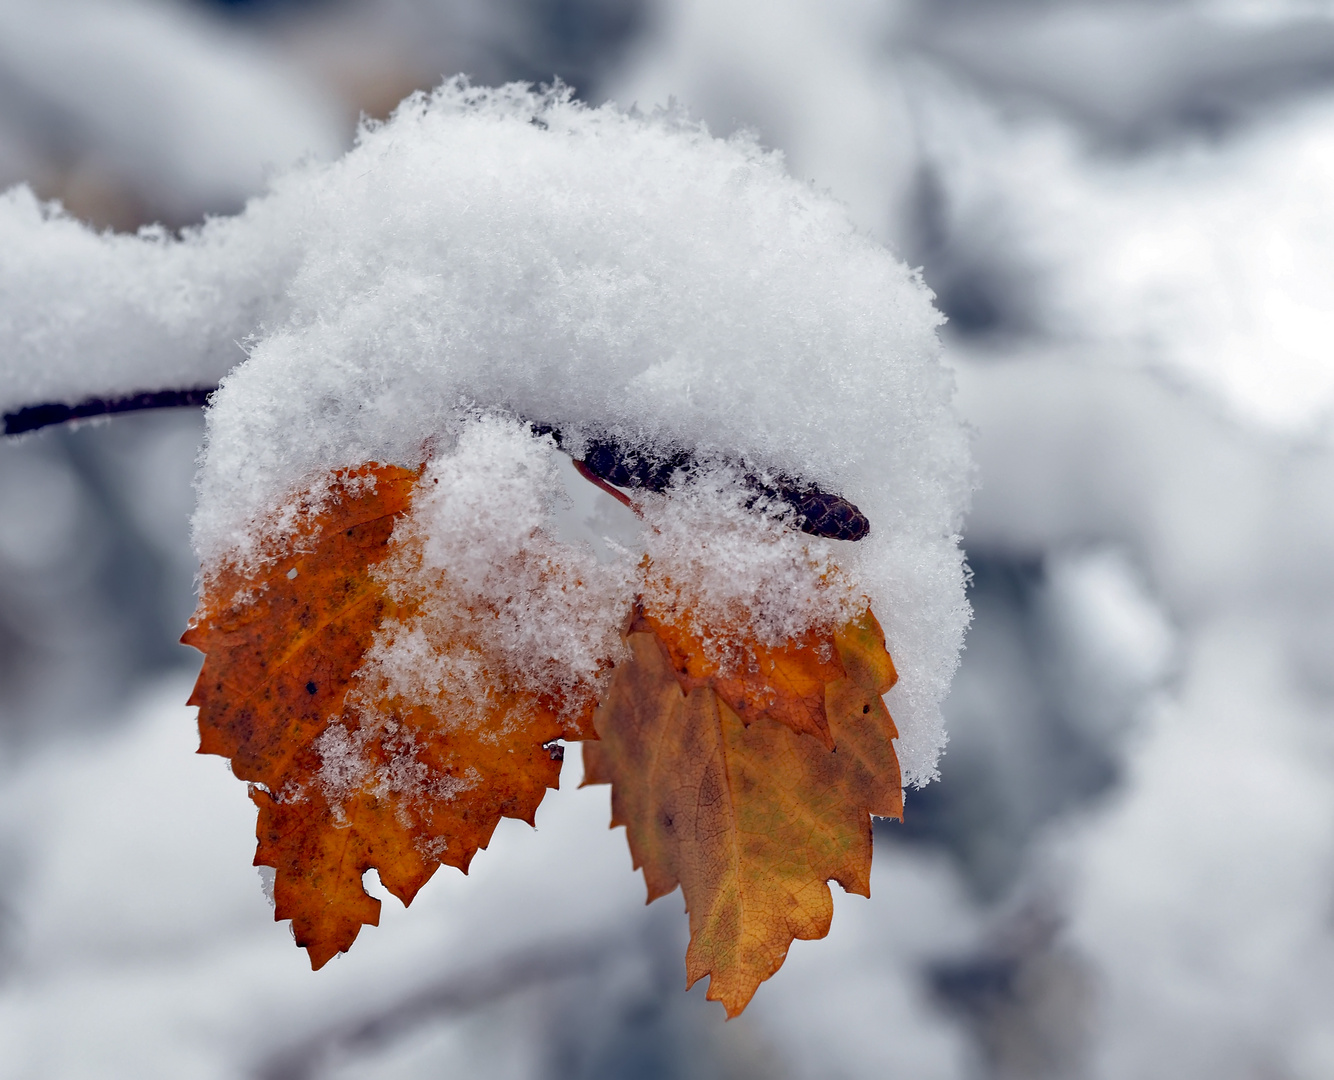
<point x="1127" y="867"/>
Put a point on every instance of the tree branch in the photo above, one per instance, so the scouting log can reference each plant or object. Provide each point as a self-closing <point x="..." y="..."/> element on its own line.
<point x="35" y="417"/>
<point x="605" y="462"/>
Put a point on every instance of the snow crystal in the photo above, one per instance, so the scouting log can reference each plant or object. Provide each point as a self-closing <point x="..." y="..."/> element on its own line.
<point x="725" y="566"/>
<point x="381" y="758"/>
<point x="497" y="598"/>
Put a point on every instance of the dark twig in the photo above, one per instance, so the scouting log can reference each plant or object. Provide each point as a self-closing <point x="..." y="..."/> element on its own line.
<point x="815" y="512"/>
<point x="35" y="417"/>
<point x="606" y="462"/>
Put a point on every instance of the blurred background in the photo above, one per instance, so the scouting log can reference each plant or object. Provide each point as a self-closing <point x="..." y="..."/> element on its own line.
<point x="1126" y="869"/>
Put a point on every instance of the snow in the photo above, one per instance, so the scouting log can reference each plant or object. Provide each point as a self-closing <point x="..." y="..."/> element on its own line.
<point x="1242" y="982"/>
<point x="514" y="253"/>
<point x="91" y="314"/>
<point x="1248" y="324"/>
<point x="734" y="572"/>
<point x="841" y="115"/>
<point x="501" y="602"/>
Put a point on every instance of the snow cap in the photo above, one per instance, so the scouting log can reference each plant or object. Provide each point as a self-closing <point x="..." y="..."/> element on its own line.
<point x="515" y="253"/>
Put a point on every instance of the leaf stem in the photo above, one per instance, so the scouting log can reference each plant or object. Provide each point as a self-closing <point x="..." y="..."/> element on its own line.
<point x="597" y="481"/>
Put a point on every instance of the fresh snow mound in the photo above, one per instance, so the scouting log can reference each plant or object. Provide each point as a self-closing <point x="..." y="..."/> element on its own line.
<point x="515" y="254"/>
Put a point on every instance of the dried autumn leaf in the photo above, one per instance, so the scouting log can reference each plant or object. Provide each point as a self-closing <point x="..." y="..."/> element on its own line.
<point x="786" y="684"/>
<point x="280" y="646"/>
<point x="752" y="819"/>
<point x="347" y="777"/>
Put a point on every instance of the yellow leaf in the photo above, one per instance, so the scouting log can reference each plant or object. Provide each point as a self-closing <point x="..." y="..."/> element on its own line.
<point x="751" y="819"/>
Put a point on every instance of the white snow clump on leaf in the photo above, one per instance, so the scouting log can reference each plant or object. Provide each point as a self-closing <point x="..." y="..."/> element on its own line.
<point x="516" y="254"/>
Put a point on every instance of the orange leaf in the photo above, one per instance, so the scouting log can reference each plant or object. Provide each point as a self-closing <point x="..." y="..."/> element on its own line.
<point x="347" y="777"/>
<point x="785" y="683"/>
<point x="750" y="817"/>
<point x="280" y="647"/>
